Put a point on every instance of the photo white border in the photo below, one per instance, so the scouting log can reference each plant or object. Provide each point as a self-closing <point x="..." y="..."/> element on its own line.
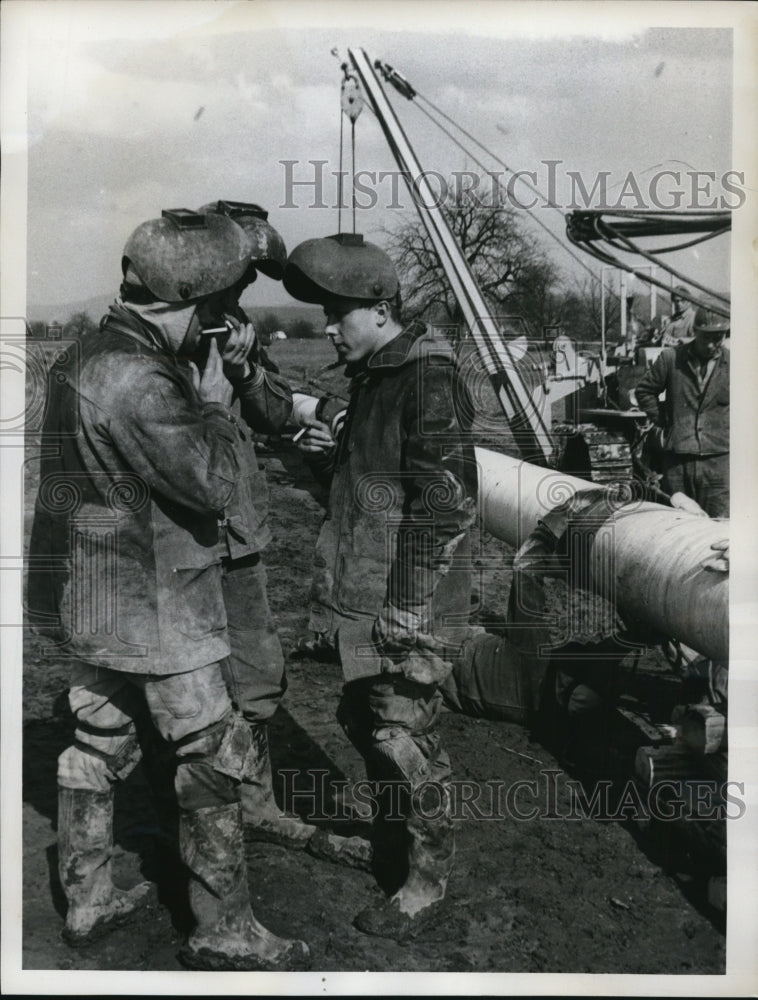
<point x="542" y="17"/>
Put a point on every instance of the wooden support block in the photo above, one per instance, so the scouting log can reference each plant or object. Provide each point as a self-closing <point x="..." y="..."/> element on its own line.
<point x="643" y="729"/>
<point x="702" y="728"/>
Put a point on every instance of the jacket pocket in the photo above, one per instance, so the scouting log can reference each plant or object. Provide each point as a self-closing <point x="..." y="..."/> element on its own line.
<point x="198" y="602"/>
<point x="360" y="585"/>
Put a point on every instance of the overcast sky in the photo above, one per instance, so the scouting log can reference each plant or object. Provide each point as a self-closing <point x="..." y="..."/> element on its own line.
<point x="136" y="107"/>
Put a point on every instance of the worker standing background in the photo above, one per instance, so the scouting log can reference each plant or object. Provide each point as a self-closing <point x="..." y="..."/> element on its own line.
<point x="694" y="415"/>
<point x="679" y="326"/>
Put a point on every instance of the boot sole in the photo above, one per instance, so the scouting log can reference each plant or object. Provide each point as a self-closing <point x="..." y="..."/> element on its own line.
<point x="260" y="835"/>
<point x="297" y="958"/>
<point x="104" y="925"/>
<point x="321" y="848"/>
<point x="395" y="925"/>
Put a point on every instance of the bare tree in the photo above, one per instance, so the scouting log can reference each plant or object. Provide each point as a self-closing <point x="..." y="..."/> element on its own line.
<point x="589" y="311"/>
<point x="516" y="276"/>
<point x="78" y="325"/>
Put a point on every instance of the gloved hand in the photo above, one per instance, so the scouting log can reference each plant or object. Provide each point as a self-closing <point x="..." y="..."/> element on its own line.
<point x="720" y="560"/>
<point x="406" y="649"/>
<point x="682" y="502"/>
<point x="398" y="626"/>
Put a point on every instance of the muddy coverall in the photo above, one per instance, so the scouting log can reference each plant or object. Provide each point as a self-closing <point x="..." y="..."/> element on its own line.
<point x="262" y="404"/>
<point x="392" y="565"/>
<point x="552" y="666"/>
<point x="125" y="570"/>
<point x="254" y="669"/>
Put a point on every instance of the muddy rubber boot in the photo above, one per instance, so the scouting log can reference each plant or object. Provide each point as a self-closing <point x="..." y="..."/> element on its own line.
<point x="430" y="861"/>
<point x="262" y="817"/>
<point x="85" y="849"/>
<point x="227" y="937"/>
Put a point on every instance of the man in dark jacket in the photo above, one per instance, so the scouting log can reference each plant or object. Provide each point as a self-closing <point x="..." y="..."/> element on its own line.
<point x="261" y="404"/>
<point x="694" y="416"/>
<point x="146" y="457"/>
<point x="388" y="592"/>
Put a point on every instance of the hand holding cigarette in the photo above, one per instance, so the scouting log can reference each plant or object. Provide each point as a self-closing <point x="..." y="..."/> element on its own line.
<point x="315" y="438"/>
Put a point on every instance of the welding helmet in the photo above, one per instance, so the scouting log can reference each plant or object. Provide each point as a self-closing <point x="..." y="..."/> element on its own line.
<point x="342" y="266"/>
<point x="267" y="252"/>
<point x="186" y="255"/>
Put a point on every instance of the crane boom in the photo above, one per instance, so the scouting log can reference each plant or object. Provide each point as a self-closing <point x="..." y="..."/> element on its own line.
<point x="522" y="410"/>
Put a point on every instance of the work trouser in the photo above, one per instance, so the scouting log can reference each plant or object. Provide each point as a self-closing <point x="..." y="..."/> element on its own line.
<point x="192" y="711"/>
<point x="384" y="707"/>
<point x="254" y="671"/>
<point x="391" y="721"/>
<point x="494" y="679"/>
<point x="704" y="478"/>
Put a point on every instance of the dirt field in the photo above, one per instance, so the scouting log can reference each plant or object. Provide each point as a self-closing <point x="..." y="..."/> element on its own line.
<point x="547" y="895"/>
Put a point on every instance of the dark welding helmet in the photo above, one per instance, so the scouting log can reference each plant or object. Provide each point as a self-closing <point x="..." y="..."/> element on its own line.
<point x="268" y="253"/>
<point x="186" y="255"/>
<point x="342" y="266"/>
<point x="708" y="321"/>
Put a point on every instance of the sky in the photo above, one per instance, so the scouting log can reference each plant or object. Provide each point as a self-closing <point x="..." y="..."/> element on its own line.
<point x="135" y="107"/>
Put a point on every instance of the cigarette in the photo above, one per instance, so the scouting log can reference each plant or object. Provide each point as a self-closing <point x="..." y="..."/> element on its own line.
<point x="209" y="331"/>
<point x="299" y="434"/>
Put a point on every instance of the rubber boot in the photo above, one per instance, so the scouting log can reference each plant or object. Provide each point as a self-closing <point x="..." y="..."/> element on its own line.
<point x="430" y="860"/>
<point x="85" y="850"/>
<point x="263" y="818"/>
<point x="227" y="937"/>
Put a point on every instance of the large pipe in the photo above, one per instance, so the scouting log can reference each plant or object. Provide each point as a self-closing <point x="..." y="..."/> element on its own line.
<point x="646" y="557"/>
<point x="651" y="557"/>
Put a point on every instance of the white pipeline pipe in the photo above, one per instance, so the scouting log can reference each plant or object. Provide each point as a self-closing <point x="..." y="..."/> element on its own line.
<point x="648" y="558"/>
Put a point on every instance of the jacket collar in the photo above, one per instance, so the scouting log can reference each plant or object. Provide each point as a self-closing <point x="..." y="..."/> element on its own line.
<point x="120" y="319"/>
<point x="161" y="326"/>
<point x="694" y="360"/>
<point x="406" y="347"/>
<point x="685" y="354"/>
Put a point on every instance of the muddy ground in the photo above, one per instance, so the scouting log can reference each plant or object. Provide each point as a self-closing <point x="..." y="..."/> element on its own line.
<point x="547" y="895"/>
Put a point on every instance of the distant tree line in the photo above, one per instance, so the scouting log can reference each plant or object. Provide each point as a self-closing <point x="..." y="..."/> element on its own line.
<point x="79" y="324"/>
<point x="76" y="326"/>
<point x="520" y="282"/>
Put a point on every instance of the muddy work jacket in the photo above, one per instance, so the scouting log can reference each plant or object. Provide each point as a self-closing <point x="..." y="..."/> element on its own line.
<point x="402" y="498"/>
<point x="262" y="404"/>
<point x="124" y="560"/>
<point x="695" y="418"/>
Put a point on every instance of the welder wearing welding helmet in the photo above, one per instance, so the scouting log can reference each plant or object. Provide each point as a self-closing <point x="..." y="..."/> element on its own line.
<point x="388" y="576"/>
<point x="150" y="453"/>
<point x="262" y="404"/>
